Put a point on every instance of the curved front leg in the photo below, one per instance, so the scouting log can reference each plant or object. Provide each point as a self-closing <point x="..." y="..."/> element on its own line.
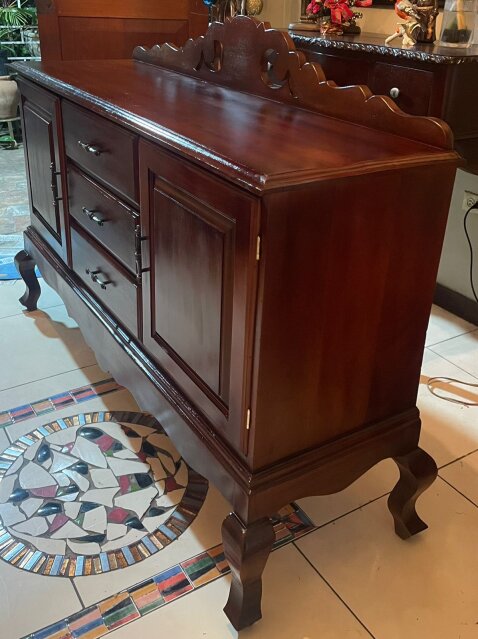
<point x="26" y="267"/>
<point x="247" y="549"/>
<point x="417" y="472"/>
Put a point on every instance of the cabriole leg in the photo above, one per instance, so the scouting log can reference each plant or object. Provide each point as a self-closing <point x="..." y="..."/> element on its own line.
<point x="417" y="472"/>
<point x="247" y="549"/>
<point x="26" y="267"/>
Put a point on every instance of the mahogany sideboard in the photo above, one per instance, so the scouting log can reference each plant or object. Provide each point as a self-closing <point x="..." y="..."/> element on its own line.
<point x="108" y="29"/>
<point x="252" y="252"/>
<point x="426" y="79"/>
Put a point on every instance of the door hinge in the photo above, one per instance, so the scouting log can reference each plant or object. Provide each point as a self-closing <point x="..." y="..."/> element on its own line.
<point x="248" y="419"/>
<point x="258" y="248"/>
<point x="138" y="255"/>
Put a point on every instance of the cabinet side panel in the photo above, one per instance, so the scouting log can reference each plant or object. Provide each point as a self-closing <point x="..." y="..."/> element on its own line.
<point x="347" y="280"/>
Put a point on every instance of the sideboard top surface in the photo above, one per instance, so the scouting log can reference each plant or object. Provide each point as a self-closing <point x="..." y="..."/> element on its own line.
<point x="259" y="143"/>
<point x="374" y="44"/>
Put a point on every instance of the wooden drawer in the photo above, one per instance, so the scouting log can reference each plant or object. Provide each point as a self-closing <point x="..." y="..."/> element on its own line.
<point x="112" y="223"/>
<point x="410" y="88"/>
<point x="111" y="285"/>
<point x="104" y="150"/>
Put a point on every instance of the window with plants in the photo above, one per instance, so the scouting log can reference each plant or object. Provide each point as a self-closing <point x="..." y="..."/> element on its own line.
<point x="18" y="30"/>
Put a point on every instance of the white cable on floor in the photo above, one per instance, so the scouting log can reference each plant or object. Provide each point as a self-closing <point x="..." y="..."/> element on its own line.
<point x="432" y="389"/>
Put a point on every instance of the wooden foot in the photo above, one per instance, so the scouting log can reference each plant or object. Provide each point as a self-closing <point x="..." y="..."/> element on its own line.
<point x="26" y="267"/>
<point x="417" y="472"/>
<point x="247" y="550"/>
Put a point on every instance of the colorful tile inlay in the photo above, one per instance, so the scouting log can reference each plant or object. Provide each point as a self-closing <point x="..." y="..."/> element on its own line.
<point x="57" y="402"/>
<point x="97" y="620"/>
<point x="92" y="493"/>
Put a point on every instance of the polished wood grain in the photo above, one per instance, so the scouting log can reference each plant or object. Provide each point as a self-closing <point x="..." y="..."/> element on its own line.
<point x="286" y="285"/>
<point x="106" y="279"/>
<point x="198" y="299"/>
<point x="111" y="152"/>
<point x="40" y="112"/>
<point x="109" y="220"/>
<point x="107" y="29"/>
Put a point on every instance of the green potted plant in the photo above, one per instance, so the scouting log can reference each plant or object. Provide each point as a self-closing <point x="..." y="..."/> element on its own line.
<point x="14" y="17"/>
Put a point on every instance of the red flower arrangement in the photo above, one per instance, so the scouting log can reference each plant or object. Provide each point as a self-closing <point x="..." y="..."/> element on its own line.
<point x="336" y="16"/>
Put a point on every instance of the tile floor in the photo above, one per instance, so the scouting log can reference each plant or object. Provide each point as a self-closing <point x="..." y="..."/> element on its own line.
<point x="348" y="577"/>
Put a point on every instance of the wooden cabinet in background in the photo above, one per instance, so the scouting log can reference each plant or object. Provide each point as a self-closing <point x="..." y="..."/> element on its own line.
<point x="110" y="29"/>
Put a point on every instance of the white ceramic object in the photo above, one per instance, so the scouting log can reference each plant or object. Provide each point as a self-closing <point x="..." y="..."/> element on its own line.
<point x="9" y="98"/>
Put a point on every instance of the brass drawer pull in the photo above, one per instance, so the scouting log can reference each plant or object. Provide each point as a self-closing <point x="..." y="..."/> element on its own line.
<point x="94" y="150"/>
<point x="93" y="216"/>
<point x="96" y="279"/>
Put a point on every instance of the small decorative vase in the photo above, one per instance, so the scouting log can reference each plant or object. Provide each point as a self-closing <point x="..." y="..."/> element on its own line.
<point x="9" y="98"/>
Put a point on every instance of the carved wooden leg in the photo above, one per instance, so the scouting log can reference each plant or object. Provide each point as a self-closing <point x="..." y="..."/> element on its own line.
<point x="247" y="550"/>
<point x="417" y="472"/>
<point x="26" y="267"/>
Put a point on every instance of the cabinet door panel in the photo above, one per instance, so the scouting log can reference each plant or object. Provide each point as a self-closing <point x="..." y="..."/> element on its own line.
<point x="40" y="111"/>
<point x="199" y="289"/>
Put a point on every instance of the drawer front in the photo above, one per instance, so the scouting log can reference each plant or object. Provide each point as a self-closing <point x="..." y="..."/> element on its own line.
<point x="104" y="150"/>
<point x="411" y="89"/>
<point x="112" y="223"/>
<point x="114" y="289"/>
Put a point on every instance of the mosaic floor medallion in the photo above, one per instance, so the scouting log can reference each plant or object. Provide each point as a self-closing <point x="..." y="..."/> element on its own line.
<point x="93" y="493"/>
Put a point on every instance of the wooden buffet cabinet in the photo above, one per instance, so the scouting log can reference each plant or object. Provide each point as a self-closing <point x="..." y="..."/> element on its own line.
<point x="252" y="252"/>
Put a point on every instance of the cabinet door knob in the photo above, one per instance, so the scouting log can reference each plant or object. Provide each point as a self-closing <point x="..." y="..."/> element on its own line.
<point x="89" y="148"/>
<point x="93" y="216"/>
<point x="394" y="93"/>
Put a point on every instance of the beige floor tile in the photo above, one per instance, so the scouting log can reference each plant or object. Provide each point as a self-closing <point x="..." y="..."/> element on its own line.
<point x="204" y="533"/>
<point x="297" y="604"/>
<point x="462" y="351"/>
<point x="10" y="292"/>
<point x="420" y="588"/>
<point x="463" y="474"/>
<point x="41" y="389"/>
<point x="449" y="431"/>
<point x="444" y="325"/>
<point x="39" y="345"/>
<point x="375" y="483"/>
<point x="29" y="602"/>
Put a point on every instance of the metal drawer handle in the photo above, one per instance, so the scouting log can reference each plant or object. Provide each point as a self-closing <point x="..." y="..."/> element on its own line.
<point x="93" y="217"/>
<point x="95" y="278"/>
<point x="394" y="93"/>
<point x="89" y="148"/>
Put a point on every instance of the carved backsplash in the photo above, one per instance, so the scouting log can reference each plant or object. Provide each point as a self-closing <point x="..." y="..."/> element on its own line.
<point x="247" y="55"/>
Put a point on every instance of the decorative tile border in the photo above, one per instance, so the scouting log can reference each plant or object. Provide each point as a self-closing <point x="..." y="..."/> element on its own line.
<point x="171" y="584"/>
<point x="58" y="402"/>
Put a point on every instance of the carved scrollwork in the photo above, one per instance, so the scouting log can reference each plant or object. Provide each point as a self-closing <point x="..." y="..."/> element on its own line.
<point x="247" y="55"/>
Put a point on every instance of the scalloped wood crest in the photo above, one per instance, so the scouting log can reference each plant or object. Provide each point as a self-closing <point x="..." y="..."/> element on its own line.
<point x="247" y="55"/>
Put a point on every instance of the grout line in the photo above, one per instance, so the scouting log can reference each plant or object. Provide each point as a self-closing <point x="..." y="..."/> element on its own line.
<point x="333" y="590"/>
<point x="75" y="588"/>
<point x="450" y="362"/>
<point x="25" y="312"/>
<point x="458" y="491"/>
<point x="475" y="328"/>
<point x="458" y="459"/>
<point x="41" y="379"/>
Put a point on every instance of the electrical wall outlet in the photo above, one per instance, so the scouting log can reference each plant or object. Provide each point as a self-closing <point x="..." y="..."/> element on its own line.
<point x="469" y="199"/>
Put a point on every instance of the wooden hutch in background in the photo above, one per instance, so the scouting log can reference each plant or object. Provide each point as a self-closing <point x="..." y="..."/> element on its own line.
<point x="110" y="29"/>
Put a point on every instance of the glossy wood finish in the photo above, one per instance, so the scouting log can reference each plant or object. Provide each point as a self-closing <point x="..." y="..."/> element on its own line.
<point x="198" y="297"/>
<point x="41" y="122"/>
<point x="431" y="80"/>
<point x="246" y="549"/>
<point x="26" y="268"/>
<point x="111" y="222"/>
<point x="105" y="151"/>
<point x="107" y="29"/>
<point x="107" y="281"/>
<point x="286" y="288"/>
